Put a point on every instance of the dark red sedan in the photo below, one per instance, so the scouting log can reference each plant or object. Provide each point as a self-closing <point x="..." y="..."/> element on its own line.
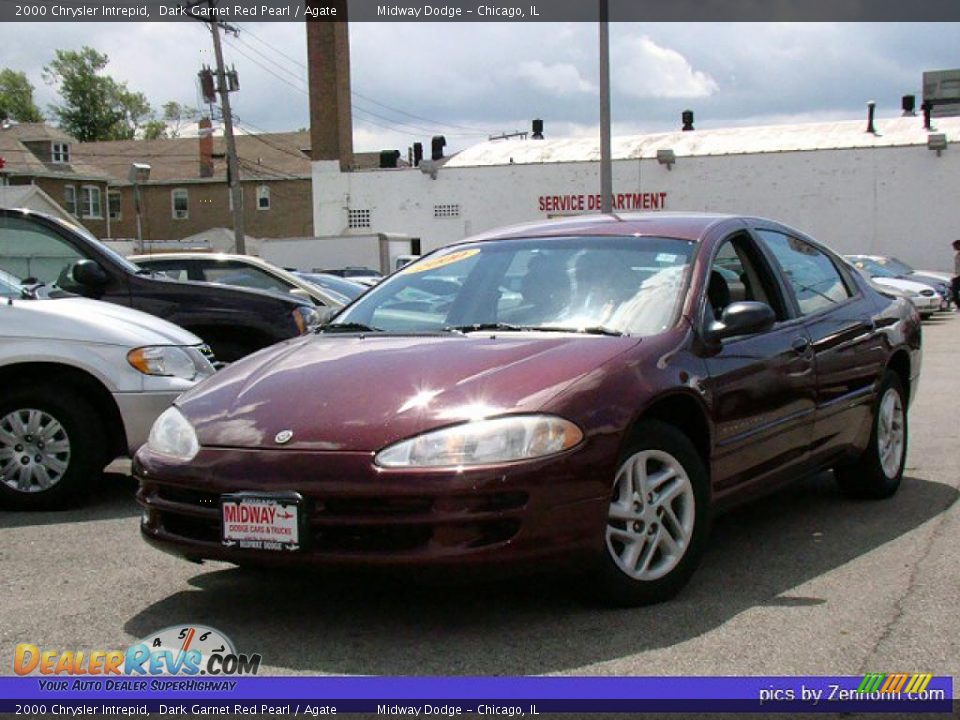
<point x="588" y="391"/>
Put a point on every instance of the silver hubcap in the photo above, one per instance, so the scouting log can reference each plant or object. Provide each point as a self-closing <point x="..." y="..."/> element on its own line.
<point x="34" y="450"/>
<point x="890" y="433"/>
<point x="651" y="515"/>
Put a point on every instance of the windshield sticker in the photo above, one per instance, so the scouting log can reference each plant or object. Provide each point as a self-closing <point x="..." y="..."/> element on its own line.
<point x="434" y="263"/>
<point x="666" y="258"/>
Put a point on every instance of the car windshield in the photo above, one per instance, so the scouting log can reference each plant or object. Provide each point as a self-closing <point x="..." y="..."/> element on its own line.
<point x="873" y="268"/>
<point x="898" y="266"/>
<point x="340" y="288"/>
<point x="615" y="285"/>
<point x="9" y="285"/>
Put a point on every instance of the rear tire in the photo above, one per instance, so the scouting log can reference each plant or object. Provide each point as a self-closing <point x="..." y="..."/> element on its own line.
<point x="658" y="519"/>
<point x="51" y="448"/>
<point x="877" y="473"/>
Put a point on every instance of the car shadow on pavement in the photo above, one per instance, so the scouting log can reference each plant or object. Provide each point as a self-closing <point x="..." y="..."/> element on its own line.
<point x="110" y="498"/>
<point x="320" y="623"/>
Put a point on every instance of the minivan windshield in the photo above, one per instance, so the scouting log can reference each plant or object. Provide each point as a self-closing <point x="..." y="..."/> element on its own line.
<point x="601" y="285"/>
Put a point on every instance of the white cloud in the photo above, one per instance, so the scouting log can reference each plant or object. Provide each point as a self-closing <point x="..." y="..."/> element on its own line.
<point x="645" y="69"/>
<point x="557" y="78"/>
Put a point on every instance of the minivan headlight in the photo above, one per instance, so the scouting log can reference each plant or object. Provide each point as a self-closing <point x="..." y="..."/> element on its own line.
<point x="484" y="442"/>
<point x="306" y="318"/>
<point x="170" y="361"/>
<point x="173" y="435"/>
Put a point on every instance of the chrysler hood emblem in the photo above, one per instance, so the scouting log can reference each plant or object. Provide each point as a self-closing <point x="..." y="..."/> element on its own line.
<point x="283" y="437"/>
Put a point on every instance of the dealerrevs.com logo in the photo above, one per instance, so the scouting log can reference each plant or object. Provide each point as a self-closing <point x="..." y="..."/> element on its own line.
<point x="184" y="650"/>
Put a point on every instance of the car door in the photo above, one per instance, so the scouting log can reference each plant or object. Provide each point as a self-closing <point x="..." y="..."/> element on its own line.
<point x="848" y="352"/>
<point x="761" y="387"/>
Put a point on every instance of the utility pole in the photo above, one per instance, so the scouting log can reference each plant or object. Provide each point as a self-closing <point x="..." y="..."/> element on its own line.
<point x="233" y="165"/>
<point x="606" y="167"/>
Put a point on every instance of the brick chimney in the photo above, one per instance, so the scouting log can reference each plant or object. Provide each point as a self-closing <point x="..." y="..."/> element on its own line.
<point x="205" y="137"/>
<point x="328" y="64"/>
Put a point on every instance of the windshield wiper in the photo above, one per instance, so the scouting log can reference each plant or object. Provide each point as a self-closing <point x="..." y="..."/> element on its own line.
<point x="347" y="327"/>
<point x="480" y="327"/>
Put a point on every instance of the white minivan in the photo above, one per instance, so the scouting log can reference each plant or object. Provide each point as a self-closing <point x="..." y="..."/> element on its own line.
<point x="81" y="382"/>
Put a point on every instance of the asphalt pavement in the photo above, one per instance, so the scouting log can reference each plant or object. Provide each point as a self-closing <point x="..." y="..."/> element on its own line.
<point x="802" y="582"/>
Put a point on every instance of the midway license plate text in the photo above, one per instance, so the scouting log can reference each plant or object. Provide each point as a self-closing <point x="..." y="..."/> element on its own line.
<point x="259" y="522"/>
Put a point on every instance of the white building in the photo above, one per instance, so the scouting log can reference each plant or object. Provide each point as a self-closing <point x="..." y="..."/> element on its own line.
<point x="887" y="192"/>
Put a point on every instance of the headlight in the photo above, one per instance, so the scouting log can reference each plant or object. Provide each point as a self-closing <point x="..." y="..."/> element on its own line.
<point x="170" y="361"/>
<point x="173" y="435"/>
<point x="484" y="442"/>
<point x="306" y="318"/>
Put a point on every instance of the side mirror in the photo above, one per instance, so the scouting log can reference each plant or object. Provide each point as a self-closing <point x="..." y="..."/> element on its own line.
<point x="89" y="273"/>
<point x="742" y="318"/>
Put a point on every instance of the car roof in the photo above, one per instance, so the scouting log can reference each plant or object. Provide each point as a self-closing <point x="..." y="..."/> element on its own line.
<point x="684" y="226"/>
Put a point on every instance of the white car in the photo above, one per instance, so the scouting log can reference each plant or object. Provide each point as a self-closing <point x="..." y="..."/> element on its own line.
<point x="924" y="297"/>
<point x="82" y="383"/>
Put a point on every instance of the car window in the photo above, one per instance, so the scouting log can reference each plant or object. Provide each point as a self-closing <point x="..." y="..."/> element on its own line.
<point x="816" y="282"/>
<point x="739" y="273"/>
<point x="235" y="273"/>
<point x="629" y="285"/>
<point x="30" y="250"/>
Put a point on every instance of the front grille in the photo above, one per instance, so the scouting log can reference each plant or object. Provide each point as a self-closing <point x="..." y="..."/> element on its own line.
<point x="383" y="525"/>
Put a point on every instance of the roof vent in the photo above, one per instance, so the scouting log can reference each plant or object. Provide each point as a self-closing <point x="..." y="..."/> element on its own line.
<point x="927" y="107"/>
<point x="389" y="158"/>
<point x="437" y="143"/>
<point x="687" y="118"/>
<point x="871" y="109"/>
<point x="538" y="129"/>
<point x="909" y="105"/>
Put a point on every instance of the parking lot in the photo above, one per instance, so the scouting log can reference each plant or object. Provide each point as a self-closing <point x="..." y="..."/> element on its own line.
<point x="803" y="582"/>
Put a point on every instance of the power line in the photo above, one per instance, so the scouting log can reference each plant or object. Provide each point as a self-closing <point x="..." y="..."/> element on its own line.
<point x="474" y="131"/>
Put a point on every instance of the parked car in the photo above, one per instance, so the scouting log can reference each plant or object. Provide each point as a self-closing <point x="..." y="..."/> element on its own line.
<point x="890" y="267"/>
<point x="926" y="298"/>
<point x="82" y="382"/>
<point x="245" y="271"/>
<point x="904" y="270"/>
<point x="233" y="321"/>
<point x="596" y="416"/>
<point x="345" y="290"/>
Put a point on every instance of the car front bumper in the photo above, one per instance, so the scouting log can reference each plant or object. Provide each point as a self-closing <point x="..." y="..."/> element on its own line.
<point x="139" y="410"/>
<point x="550" y="511"/>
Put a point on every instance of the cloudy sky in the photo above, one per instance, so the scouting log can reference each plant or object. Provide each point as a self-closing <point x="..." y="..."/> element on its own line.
<point x="468" y="80"/>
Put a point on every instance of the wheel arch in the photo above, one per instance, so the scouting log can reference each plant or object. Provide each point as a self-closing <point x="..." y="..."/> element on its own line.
<point x="34" y="373"/>
<point x="899" y="363"/>
<point x="688" y="414"/>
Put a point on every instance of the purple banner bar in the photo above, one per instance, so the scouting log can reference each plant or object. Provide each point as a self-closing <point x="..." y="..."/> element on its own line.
<point x="463" y="695"/>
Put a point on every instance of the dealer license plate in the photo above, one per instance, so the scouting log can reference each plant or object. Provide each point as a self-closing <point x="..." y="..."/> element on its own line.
<point x="261" y="522"/>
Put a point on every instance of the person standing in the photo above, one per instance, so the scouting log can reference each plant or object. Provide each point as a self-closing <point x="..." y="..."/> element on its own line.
<point x="955" y="283"/>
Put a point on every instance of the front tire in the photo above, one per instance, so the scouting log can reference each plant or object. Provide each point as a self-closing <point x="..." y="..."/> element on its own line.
<point x="51" y="448"/>
<point x="658" y="518"/>
<point x="877" y="473"/>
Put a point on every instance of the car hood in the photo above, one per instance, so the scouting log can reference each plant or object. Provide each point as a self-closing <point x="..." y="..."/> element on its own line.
<point x="352" y="393"/>
<point x="909" y="285"/>
<point x="76" y="319"/>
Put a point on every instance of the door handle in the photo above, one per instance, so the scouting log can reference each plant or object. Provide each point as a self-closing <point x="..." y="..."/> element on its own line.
<point x="800" y="345"/>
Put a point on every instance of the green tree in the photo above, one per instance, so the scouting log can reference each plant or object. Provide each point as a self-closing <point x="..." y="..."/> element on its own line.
<point x="95" y="106"/>
<point x="154" y="130"/>
<point x="16" y="97"/>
